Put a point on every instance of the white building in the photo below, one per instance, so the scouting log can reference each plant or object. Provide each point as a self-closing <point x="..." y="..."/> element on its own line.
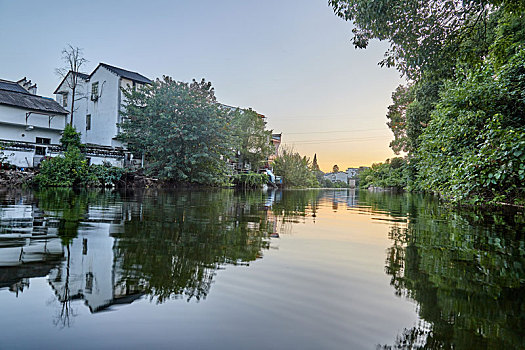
<point x="348" y="177"/>
<point x="97" y="109"/>
<point x="30" y="125"/>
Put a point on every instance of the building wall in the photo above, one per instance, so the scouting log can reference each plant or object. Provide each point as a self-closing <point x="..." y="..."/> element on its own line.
<point x="19" y="133"/>
<point x="347" y="177"/>
<point x="13" y="115"/>
<point x="13" y="130"/>
<point x="104" y="111"/>
<point x="81" y="98"/>
<point x="111" y="160"/>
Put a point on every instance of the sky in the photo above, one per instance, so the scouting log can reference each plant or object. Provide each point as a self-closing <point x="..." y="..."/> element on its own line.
<point x="291" y="60"/>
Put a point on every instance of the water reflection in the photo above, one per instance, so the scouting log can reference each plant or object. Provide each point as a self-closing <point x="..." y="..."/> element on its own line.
<point x="113" y="248"/>
<point x="464" y="269"/>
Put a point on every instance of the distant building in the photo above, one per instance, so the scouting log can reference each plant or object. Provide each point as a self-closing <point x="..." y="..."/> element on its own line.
<point x="276" y="142"/>
<point x="97" y="109"/>
<point x="348" y="177"/>
<point x="30" y="125"/>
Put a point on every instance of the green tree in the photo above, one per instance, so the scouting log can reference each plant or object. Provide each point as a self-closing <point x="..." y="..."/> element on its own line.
<point x="68" y="170"/>
<point x="474" y="146"/>
<point x="391" y="174"/>
<point x="70" y="138"/>
<point x="250" y="138"/>
<point x="295" y="170"/>
<point x="181" y="130"/>
<point x="424" y="36"/>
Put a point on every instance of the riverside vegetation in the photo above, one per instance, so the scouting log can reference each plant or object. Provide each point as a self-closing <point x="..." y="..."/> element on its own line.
<point x="461" y="117"/>
<point x="186" y="137"/>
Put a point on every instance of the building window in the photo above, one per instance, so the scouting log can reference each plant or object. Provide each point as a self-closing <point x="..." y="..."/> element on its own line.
<point x="64" y="99"/>
<point x="89" y="282"/>
<point x="88" y="122"/>
<point x="94" y="91"/>
<point x="43" y="141"/>
<point x="40" y="151"/>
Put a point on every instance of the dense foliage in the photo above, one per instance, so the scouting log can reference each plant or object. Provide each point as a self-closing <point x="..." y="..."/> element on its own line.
<point x="391" y="174"/>
<point x="68" y="170"/>
<point x="72" y="169"/>
<point x="474" y="146"/>
<point x="250" y="180"/>
<point x="180" y="128"/>
<point x="460" y="117"/>
<point x="295" y="170"/>
<point x="250" y="138"/>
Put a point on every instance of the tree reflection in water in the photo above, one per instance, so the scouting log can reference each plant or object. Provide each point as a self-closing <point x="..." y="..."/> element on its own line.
<point x="172" y="244"/>
<point x="160" y="243"/>
<point x="465" y="269"/>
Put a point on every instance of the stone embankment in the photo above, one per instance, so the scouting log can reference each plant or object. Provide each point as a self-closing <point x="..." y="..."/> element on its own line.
<point x="16" y="178"/>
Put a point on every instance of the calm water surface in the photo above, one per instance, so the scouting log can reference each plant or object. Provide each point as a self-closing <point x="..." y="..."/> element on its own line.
<point x="277" y="270"/>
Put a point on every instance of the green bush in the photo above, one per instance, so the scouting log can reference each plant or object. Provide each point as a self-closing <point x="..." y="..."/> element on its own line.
<point x="70" y="138"/>
<point x="106" y="174"/>
<point x="295" y="170"/>
<point x="68" y="170"/>
<point x="251" y="180"/>
<point x="394" y="173"/>
<point x="72" y="169"/>
<point x="473" y="150"/>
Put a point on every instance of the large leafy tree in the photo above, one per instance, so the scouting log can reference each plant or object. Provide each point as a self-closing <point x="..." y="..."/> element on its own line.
<point x="295" y="170"/>
<point x="250" y="138"/>
<point x="463" y="64"/>
<point x="423" y="35"/>
<point x="180" y="129"/>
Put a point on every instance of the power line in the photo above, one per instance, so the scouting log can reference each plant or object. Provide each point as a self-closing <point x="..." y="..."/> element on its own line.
<point x="330" y="132"/>
<point x="336" y="141"/>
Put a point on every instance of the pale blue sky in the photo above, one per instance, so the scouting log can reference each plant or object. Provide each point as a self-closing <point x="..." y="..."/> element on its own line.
<point x="291" y="60"/>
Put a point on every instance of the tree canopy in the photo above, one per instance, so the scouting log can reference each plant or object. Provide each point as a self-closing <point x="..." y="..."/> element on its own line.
<point x="180" y="128"/>
<point x="250" y="138"/>
<point x="465" y="69"/>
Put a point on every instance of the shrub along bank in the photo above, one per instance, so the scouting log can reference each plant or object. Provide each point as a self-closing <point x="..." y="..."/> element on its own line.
<point x="72" y="169"/>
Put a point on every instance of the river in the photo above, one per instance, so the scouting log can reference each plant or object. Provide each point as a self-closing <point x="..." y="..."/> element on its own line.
<point x="219" y="269"/>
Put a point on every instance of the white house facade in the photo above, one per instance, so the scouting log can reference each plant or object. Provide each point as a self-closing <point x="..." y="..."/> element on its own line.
<point x="97" y="109"/>
<point x="30" y="125"/>
<point x="348" y="177"/>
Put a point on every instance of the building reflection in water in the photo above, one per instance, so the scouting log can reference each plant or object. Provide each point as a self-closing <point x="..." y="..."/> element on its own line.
<point x="29" y="242"/>
<point x="109" y="249"/>
<point x="113" y="248"/>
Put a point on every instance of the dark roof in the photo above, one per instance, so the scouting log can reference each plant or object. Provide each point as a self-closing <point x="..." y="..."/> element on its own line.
<point x="80" y="75"/>
<point x="12" y="96"/>
<point x="12" y="86"/>
<point x="83" y="76"/>
<point x="126" y="74"/>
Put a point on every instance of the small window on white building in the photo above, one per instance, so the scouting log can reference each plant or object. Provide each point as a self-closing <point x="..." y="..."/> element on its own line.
<point x="64" y="99"/>
<point x="39" y="150"/>
<point x="43" y="141"/>
<point x="88" y="122"/>
<point x="94" y="91"/>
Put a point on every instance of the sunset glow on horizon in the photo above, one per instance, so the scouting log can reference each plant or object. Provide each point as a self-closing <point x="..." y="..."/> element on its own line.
<point x="300" y="70"/>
